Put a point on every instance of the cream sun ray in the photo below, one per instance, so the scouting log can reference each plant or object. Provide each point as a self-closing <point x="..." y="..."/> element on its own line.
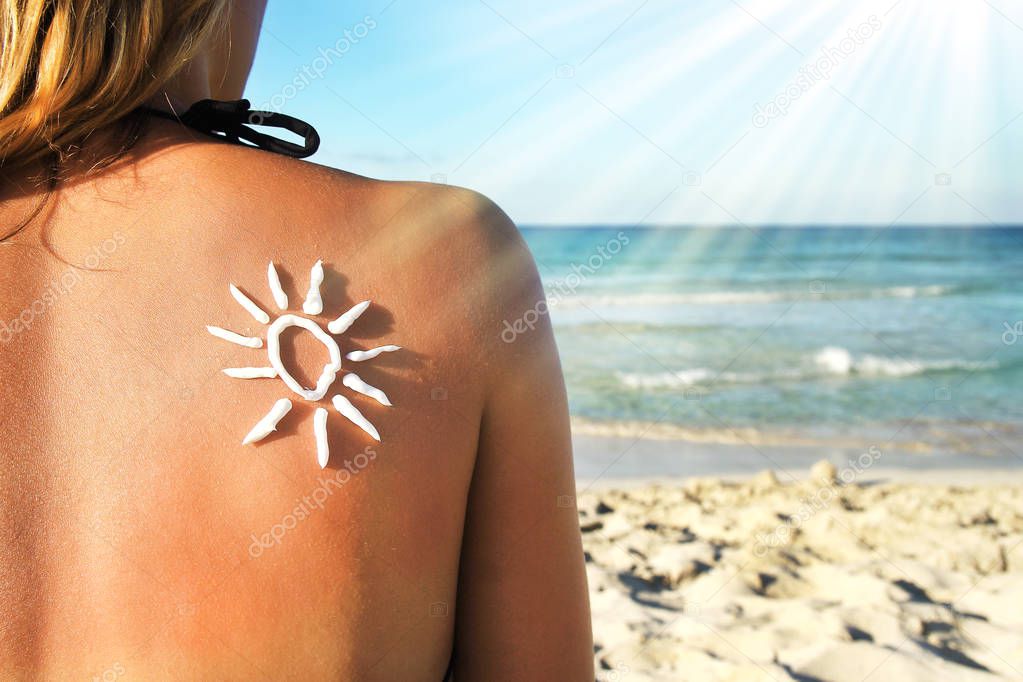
<point x="313" y="302"/>
<point x="250" y="372"/>
<point x="280" y="298"/>
<point x="353" y="382"/>
<point x="362" y="355"/>
<point x="249" y="305"/>
<point x="346" y="320"/>
<point x="320" y="431"/>
<point x="352" y="414"/>
<point x="228" y="335"/>
<point x="268" y="424"/>
<point x="312" y="305"/>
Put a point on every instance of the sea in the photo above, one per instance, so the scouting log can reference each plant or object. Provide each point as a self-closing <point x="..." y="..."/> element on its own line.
<point x="699" y="350"/>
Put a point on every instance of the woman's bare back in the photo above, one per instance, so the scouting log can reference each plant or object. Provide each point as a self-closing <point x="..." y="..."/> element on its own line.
<point x="141" y="538"/>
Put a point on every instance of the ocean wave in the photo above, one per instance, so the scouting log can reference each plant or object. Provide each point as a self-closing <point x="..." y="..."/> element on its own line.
<point x="839" y="361"/>
<point x="744" y="297"/>
<point x="827" y="362"/>
<point x="924" y="437"/>
<point x="587" y="326"/>
<point x="646" y="430"/>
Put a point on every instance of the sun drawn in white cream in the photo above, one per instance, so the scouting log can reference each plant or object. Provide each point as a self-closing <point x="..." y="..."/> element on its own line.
<point x="313" y="305"/>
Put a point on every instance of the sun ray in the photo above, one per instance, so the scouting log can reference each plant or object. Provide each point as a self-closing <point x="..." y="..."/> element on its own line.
<point x="313" y="302"/>
<point x="280" y="298"/>
<point x="353" y="382"/>
<point x="346" y="320"/>
<point x="320" y="431"/>
<point x="352" y="414"/>
<point x="228" y="335"/>
<point x="251" y="372"/>
<point x="362" y="355"/>
<point x="249" y="305"/>
<point x="268" y="424"/>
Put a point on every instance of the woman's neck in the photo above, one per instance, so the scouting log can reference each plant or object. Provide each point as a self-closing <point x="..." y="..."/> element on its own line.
<point x="185" y="89"/>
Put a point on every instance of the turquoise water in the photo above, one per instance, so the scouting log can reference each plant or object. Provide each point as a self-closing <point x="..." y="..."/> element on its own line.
<point x="818" y="335"/>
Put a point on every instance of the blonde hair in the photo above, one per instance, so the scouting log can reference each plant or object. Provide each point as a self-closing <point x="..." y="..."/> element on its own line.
<point x="71" y="67"/>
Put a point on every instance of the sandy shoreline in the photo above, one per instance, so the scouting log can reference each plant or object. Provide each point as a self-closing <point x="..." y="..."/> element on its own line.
<point x="891" y="575"/>
<point x="598" y="460"/>
<point x="876" y="476"/>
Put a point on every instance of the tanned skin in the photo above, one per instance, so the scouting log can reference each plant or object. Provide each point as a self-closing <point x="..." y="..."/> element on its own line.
<point x="142" y="540"/>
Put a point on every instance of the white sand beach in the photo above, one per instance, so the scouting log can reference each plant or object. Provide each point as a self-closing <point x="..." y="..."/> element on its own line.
<point x="891" y="576"/>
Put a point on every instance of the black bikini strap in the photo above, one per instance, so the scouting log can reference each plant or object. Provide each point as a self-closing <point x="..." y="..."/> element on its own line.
<point x="231" y="121"/>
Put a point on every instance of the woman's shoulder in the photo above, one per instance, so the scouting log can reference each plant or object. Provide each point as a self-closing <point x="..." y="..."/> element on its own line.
<point x="454" y="221"/>
<point x="452" y="244"/>
<point x="445" y="256"/>
<point x="447" y="259"/>
<point x="457" y="227"/>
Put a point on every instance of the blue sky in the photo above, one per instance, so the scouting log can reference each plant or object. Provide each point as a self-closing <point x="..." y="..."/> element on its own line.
<point x="615" y="111"/>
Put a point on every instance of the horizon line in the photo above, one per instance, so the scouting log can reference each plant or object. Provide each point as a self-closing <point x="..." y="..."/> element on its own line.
<point x="714" y="226"/>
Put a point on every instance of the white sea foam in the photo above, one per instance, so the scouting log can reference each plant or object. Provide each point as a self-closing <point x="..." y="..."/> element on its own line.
<point x="687" y="377"/>
<point x="834" y="360"/>
<point x="744" y="436"/>
<point x="837" y="360"/>
<point x="745" y="297"/>
<point x="829" y="361"/>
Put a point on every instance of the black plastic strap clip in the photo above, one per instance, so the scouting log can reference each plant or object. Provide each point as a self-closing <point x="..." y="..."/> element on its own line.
<point x="231" y="120"/>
